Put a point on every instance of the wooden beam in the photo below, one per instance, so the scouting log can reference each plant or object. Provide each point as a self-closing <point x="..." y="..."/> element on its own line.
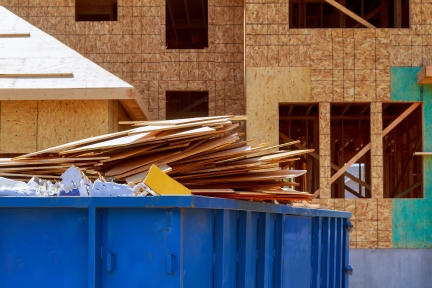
<point x="352" y="191"/>
<point x="400" y="118"/>
<point x="14" y="35"/>
<point x="422" y="153"/>
<point x="397" y="13"/>
<point x="406" y="169"/>
<point x="369" y="16"/>
<point x="368" y="146"/>
<point x="171" y="14"/>
<point x="407" y="191"/>
<point x="193" y="105"/>
<point x="349" y="13"/>
<point x="37" y="75"/>
<point x="316" y="156"/>
<point x="188" y="20"/>
<point x="424" y="76"/>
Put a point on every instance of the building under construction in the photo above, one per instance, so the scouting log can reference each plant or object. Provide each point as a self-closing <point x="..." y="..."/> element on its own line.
<point x="349" y="79"/>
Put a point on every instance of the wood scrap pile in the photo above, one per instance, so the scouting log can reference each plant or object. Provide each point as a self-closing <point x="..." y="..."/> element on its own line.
<point x="204" y="154"/>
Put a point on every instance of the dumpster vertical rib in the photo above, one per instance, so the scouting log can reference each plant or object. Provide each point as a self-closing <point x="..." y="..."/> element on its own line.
<point x="316" y="254"/>
<point x="247" y="249"/>
<point x="266" y="223"/>
<point x="93" y="249"/>
<point x="325" y="271"/>
<point x="345" y="253"/>
<point x="332" y="256"/>
<point x="225" y="249"/>
<point x="198" y="247"/>
<point x="278" y="261"/>
<point x="339" y="252"/>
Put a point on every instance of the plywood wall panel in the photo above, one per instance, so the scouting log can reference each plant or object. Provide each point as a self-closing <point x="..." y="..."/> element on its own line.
<point x="60" y="122"/>
<point x="18" y="126"/>
<point x="265" y="89"/>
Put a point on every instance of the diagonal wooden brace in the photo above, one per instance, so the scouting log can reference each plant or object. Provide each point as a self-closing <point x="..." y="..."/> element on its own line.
<point x="368" y="146"/>
<point x="350" y="13"/>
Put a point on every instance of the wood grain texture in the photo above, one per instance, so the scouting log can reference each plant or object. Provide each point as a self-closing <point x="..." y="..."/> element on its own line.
<point x="18" y="126"/>
<point x="265" y="89"/>
<point x="60" y="122"/>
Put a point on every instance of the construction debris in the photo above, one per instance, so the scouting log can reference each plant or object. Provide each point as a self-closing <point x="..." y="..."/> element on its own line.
<point x="205" y="155"/>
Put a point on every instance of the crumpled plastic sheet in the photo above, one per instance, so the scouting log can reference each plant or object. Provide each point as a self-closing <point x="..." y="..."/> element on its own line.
<point x="74" y="183"/>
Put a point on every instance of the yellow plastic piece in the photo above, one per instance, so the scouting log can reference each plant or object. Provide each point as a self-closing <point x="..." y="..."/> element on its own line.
<point x="163" y="184"/>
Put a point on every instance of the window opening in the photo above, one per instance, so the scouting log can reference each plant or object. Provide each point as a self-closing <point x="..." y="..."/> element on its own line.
<point x="321" y="14"/>
<point x="300" y="122"/>
<point x="92" y="10"/>
<point x="349" y="133"/>
<point x="186" y="104"/>
<point x="403" y="171"/>
<point x="186" y="24"/>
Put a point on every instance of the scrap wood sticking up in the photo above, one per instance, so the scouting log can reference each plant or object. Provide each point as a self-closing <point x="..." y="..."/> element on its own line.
<point x="204" y="154"/>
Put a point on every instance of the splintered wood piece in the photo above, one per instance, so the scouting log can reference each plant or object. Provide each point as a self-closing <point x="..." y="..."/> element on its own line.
<point x="193" y="191"/>
<point x="74" y="144"/>
<point x="135" y="163"/>
<point x="117" y="142"/>
<point x="181" y="121"/>
<point x="129" y="153"/>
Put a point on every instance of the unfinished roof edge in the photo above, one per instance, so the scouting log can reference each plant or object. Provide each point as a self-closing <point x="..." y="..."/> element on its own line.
<point x="42" y="54"/>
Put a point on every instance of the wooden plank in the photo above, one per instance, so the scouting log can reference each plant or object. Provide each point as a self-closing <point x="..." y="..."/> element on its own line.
<point x="422" y="153"/>
<point x="114" y="143"/>
<point x="14" y="35"/>
<point x="73" y="144"/>
<point x="397" y="9"/>
<point x="18" y="126"/>
<point x="424" y="76"/>
<point x="135" y="163"/>
<point x="182" y="121"/>
<point x="37" y="75"/>
<point x="333" y="166"/>
<point x="350" y="13"/>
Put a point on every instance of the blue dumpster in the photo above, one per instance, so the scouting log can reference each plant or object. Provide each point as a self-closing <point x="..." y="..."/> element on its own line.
<point x="169" y="242"/>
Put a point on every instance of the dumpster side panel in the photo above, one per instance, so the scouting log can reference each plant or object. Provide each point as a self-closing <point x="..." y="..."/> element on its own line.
<point x="140" y="247"/>
<point x="198" y="247"/>
<point x="247" y="249"/>
<point x="225" y="270"/>
<point x="297" y="251"/>
<point x="43" y="247"/>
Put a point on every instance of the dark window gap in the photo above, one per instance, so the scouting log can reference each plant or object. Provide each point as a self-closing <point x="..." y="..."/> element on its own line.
<point x="402" y="171"/>
<point x="300" y="122"/>
<point x="92" y="10"/>
<point x="320" y="14"/>
<point x="349" y="133"/>
<point x="186" y="104"/>
<point x="186" y="24"/>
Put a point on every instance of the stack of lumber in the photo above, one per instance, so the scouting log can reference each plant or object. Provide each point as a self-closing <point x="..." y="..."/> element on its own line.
<point x="204" y="154"/>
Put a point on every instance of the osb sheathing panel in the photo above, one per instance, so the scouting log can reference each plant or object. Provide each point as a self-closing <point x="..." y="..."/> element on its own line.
<point x="133" y="48"/>
<point x="60" y="122"/>
<point x="18" y="126"/>
<point x="266" y="88"/>
<point x="347" y="64"/>
<point x="372" y="220"/>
